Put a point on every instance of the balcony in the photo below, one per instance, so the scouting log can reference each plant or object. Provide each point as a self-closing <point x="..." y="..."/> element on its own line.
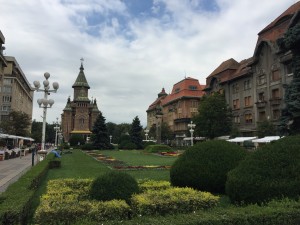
<point x="275" y="101"/>
<point x="182" y="120"/>
<point x="261" y="104"/>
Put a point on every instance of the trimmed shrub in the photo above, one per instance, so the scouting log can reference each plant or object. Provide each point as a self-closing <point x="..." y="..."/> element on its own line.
<point x="126" y="144"/>
<point x="87" y="146"/>
<point x="146" y="143"/>
<point x="273" y="171"/>
<point x="172" y="200"/>
<point x="205" y="165"/>
<point x="76" y="139"/>
<point x="114" y="185"/>
<point x="158" y="148"/>
<point x="146" y="185"/>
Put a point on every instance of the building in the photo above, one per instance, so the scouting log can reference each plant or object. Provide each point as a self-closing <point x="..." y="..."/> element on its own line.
<point x="79" y="115"/>
<point x="16" y="93"/>
<point x="254" y="88"/>
<point x="177" y="108"/>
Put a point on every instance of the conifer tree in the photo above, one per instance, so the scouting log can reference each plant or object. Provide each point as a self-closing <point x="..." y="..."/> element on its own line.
<point x="100" y="136"/>
<point x="136" y="133"/>
<point x="290" y="116"/>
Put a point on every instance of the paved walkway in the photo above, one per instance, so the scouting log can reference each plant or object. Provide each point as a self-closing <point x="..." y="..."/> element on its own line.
<point x="12" y="169"/>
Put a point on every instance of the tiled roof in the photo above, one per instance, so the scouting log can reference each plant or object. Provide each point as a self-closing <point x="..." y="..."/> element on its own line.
<point x="81" y="80"/>
<point x="279" y="26"/>
<point x="243" y="69"/>
<point x="188" y="87"/>
<point x="229" y="64"/>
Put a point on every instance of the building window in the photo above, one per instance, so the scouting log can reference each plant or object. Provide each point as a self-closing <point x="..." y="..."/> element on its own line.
<point x="276" y="114"/>
<point x="192" y="87"/>
<point x="7" y="81"/>
<point x="194" y="104"/>
<point x="7" y="89"/>
<point x="236" y="104"/>
<point x="247" y="84"/>
<point x="275" y="94"/>
<point x="5" y="108"/>
<point x="235" y="88"/>
<point x="248" y="118"/>
<point x="289" y="69"/>
<point x="6" y="98"/>
<point x="275" y="75"/>
<point x="177" y="90"/>
<point x="236" y="119"/>
<point x="247" y="101"/>
<point x="261" y="97"/>
<point x="262" y="116"/>
<point x="179" y="104"/>
<point x="261" y="79"/>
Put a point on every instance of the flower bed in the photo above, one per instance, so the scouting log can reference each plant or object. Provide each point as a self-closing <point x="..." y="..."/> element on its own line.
<point x="120" y="165"/>
<point x="170" y="153"/>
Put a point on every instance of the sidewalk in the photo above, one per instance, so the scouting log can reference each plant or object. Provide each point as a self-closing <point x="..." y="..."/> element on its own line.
<point x="12" y="169"/>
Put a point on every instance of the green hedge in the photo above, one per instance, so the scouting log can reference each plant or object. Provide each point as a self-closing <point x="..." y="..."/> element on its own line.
<point x="273" y="171"/>
<point x="16" y="201"/>
<point x="172" y="200"/>
<point x="158" y="148"/>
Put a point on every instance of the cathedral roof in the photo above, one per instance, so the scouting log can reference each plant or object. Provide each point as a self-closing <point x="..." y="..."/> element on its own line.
<point x="81" y="80"/>
<point x="68" y="105"/>
<point x="95" y="107"/>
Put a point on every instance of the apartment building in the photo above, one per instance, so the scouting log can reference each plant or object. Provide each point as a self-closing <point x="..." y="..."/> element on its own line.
<point x="255" y="87"/>
<point x="178" y="107"/>
<point x="15" y="91"/>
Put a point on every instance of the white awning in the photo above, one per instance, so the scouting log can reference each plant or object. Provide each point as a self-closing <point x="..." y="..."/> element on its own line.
<point x="267" y="139"/>
<point x="241" y="139"/>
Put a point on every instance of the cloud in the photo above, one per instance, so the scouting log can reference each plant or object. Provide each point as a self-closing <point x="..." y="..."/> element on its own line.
<point x="129" y="55"/>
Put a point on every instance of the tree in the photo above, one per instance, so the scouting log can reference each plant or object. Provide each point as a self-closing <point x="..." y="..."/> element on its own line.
<point x="265" y="128"/>
<point x="290" y="116"/>
<point x="136" y="133"/>
<point x="100" y="137"/>
<point x="18" y="123"/>
<point x="166" y="132"/>
<point x="214" y="116"/>
<point x="36" y="132"/>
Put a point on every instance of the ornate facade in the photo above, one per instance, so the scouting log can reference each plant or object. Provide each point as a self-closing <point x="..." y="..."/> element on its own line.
<point x="176" y="108"/>
<point x="255" y="88"/>
<point x="79" y="115"/>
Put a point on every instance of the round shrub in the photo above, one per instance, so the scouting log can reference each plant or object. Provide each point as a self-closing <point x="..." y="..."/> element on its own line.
<point x="205" y="165"/>
<point x="273" y="171"/>
<point x="158" y="148"/>
<point x="114" y="185"/>
<point x="127" y="145"/>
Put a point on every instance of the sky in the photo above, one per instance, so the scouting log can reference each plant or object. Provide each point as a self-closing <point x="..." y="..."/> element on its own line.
<point x="131" y="48"/>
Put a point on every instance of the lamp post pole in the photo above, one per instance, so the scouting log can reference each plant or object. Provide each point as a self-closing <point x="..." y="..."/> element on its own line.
<point x="56" y="128"/>
<point x="45" y="103"/>
<point x="110" y="137"/>
<point x="146" y="134"/>
<point x="191" y="125"/>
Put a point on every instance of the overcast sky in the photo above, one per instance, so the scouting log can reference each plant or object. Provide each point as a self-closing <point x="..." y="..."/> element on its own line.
<point x="131" y="48"/>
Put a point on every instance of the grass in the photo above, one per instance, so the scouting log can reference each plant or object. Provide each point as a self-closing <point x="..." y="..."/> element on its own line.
<point x="139" y="158"/>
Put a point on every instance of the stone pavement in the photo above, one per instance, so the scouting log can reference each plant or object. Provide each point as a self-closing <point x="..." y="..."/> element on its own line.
<point x="12" y="169"/>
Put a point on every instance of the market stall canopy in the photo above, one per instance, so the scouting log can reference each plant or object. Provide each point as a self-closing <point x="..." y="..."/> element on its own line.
<point x="241" y="139"/>
<point x="266" y="139"/>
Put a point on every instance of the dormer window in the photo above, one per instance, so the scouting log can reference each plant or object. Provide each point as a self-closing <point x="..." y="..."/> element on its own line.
<point x="177" y="90"/>
<point x="193" y="87"/>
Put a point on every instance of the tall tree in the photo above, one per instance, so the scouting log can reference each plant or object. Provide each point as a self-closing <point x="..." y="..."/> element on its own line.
<point x="214" y="116"/>
<point x="290" y="116"/>
<point x="36" y="132"/>
<point x="265" y="128"/>
<point x="166" y="132"/>
<point x="18" y="123"/>
<point x="100" y="137"/>
<point x="136" y="133"/>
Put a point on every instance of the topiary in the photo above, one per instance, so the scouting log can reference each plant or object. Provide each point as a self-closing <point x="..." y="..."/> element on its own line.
<point x="205" y="165"/>
<point x="273" y="171"/>
<point x="114" y="185"/>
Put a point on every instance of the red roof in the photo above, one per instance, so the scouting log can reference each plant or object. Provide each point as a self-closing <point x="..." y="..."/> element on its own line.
<point x="188" y="87"/>
<point x="279" y="26"/>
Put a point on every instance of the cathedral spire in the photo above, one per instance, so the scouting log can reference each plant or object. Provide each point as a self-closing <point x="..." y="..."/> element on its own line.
<point x="81" y="79"/>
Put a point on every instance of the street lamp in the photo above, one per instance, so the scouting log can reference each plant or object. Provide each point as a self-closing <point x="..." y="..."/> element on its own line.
<point x="110" y="137"/>
<point x="146" y="134"/>
<point x="45" y="103"/>
<point x="191" y="126"/>
<point x="56" y="128"/>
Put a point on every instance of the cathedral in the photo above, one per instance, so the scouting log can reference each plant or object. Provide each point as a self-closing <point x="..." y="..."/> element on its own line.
<point x="79" y="115"/>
